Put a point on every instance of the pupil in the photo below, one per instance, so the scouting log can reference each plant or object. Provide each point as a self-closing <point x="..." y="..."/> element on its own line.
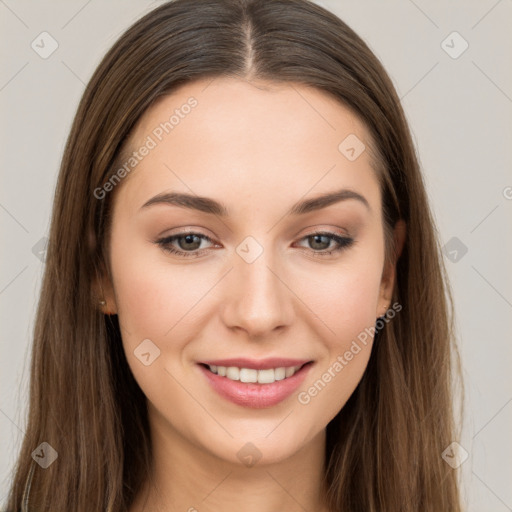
<point x="316" y="240"/>
<point x="189" y="240"/>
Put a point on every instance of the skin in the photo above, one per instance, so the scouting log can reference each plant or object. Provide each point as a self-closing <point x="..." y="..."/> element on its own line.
<point x="258" y="148"/>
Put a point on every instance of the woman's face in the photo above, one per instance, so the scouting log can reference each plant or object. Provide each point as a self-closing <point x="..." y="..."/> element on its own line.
<point x="253" y="281"/>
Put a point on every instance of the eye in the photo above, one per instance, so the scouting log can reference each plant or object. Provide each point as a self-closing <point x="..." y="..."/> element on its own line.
<point x="186" y="241"/>
<point x="323" y="240"/>
<point x="189" y="243"/>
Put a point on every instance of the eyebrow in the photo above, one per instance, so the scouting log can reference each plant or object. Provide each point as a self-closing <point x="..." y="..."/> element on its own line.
<point x="208" y="205"/>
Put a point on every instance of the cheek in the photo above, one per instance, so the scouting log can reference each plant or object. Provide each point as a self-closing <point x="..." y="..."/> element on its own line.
<point x="351" y="316"/>
<point x="346" y="301"/>
<point x="144" y="301"/>
<point x="151" y="298"/>
<point x="151" y="303"/>
<point x="328" y="390"/>
<point x="343" y="298"/>
<point x="347" y="305"/>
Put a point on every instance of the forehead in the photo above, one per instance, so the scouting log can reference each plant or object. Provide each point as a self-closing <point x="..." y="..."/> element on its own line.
<point x="228" y="134"/>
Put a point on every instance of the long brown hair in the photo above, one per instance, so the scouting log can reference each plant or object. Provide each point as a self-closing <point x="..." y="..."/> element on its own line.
<point x="384" y="447"/>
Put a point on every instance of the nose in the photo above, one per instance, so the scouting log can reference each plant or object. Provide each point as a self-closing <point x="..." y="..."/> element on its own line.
<point x="258" y="299"/>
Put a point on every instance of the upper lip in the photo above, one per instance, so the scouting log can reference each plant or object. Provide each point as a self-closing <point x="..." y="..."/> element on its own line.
<point x="257" y="364"/>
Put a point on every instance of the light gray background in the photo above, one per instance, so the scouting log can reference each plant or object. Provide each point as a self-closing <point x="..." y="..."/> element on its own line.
<point x="459" y="110"/>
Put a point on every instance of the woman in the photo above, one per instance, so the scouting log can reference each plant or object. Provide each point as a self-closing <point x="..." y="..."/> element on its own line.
<point x="244" y="304"/>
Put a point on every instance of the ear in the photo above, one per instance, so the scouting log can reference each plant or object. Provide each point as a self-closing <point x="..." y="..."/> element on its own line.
<point x="389" y="272"/>
<point x="104" y="292"/>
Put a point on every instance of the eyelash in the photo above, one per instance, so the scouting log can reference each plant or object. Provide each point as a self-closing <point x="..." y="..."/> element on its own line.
<point x="165" y="243"/>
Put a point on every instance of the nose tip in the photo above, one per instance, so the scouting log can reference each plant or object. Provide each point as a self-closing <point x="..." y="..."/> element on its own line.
<point x="257" y="300"/>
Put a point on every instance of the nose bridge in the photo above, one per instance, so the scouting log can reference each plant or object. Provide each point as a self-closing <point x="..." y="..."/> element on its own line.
<point x="258" y="300"/>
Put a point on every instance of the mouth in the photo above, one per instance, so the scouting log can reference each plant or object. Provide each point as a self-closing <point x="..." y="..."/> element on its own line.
<point x="253" y="375"/>
<point x="256" y="384"/>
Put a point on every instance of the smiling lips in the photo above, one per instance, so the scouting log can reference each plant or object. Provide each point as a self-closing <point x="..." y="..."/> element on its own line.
<point x="253" y="383"/>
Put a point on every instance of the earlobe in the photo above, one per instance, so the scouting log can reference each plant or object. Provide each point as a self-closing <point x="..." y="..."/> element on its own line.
<point x="107" y="308"/>
<point x="104" y="293"/>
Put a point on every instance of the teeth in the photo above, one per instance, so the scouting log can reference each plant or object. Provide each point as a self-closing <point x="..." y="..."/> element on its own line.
<point x="282" y="373"/>
<point x="251" y="375"/>
<point x="288" y="372"/>
<point x="266" y="376"/>
<point x="232" y="373"/>
<point x="248" y="375"/>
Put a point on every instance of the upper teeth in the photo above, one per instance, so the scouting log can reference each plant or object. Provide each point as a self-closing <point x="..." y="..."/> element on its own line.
<point x="252" y="375"/>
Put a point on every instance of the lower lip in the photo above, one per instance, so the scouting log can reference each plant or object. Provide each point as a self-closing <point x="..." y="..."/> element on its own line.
<point x="255" y="395"/>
